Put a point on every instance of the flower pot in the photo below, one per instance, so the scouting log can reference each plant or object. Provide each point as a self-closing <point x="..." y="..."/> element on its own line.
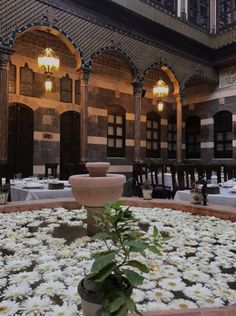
<point x="196" y="197"/>
<point x="147" y="194"/>
<point x="3" y="197"/>
<point x="91" y="302"/>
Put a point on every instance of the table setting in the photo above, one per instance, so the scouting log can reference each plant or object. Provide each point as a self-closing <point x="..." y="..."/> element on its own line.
<point x="34" y="188"/>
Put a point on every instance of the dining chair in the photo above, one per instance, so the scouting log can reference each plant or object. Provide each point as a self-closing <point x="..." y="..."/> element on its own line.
<point x="208" y="170"/>
<point x="51" y="169"/>
<point x="157" y="175"/>
<point x="140" y="176"/>
<point x="229" y="172"/>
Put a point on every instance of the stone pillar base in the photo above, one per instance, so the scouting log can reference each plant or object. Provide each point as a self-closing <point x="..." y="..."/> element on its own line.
<point x="92" y="227"/>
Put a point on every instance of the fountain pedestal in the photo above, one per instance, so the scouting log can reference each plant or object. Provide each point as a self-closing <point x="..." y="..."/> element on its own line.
<point x="96" y="189"/>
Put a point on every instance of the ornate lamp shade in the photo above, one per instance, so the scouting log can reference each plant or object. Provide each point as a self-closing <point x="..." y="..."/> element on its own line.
<point x="160" y="106"/>
<point x="48" y="61"/>
<point x="48" y="85"/>
<point x="161" y="89"/>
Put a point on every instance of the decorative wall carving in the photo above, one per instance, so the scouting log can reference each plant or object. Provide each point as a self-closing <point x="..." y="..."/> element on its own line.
<point x="26" y="81"/>
<point x="228" y="77"/>
<point x="12" y="78"/>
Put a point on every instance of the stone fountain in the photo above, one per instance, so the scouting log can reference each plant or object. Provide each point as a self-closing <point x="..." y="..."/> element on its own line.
<point x="95" y="189"/>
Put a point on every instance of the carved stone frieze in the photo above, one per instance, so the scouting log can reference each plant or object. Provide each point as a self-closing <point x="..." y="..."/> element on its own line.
<point x="228" y="77"/>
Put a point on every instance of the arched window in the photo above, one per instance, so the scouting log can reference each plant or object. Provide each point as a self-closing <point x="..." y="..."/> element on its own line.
<point x="26" y="81"/>
<point x="116" y="131"/>
<point x="193" y="137"/>
<point x="223" y="134"/>
<point x="171" y="136"/>
<point x="153" y="135"/>
<point x="198" y="12"/>
<point x="66" y="89"/>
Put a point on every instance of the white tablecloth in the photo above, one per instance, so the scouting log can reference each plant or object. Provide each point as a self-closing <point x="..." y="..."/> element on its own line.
<point x="20" y="194"/>
<point x="224" y="198"/>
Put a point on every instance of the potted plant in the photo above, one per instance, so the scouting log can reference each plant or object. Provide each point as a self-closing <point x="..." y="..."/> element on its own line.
<point x="107" y="289"/>
<point x="147" y="190"/>
<point x="4" y="191"/>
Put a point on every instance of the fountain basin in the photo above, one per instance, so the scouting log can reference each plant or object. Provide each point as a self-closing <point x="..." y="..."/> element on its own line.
<point x="97" y="191"/>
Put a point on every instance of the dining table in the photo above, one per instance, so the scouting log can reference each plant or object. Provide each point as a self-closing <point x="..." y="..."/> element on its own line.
<point x="226" y="197"/>
<point x="23" y="191"/>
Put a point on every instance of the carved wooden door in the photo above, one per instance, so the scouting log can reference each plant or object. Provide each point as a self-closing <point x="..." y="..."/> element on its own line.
<point x="20" y="140"/>
<point x="70" y="143"/>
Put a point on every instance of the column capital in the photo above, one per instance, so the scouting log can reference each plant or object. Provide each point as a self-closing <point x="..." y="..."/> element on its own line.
<point x="138" y="87"/>
<point x="5" y="53"/>
<point x="84" y="74"/>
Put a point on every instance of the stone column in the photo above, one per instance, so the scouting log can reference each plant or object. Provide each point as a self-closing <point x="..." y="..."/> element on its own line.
<point x="213" y="11"/>
<point x="4" y="65"/>
<point x="137" y="119"/>
<point x="179" y="121"/>
<point x="84" y="115"/>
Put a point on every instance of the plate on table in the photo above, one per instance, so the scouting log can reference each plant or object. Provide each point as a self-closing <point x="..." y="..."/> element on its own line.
<point x="33" y="186"/>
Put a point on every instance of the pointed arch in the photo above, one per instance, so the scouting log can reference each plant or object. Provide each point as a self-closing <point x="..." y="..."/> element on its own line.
<point x="120" y="52"/>
<point x="54" y="30"/>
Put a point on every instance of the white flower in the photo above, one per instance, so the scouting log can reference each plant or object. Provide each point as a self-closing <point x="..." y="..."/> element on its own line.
<point x="147" y="285"/>
<point x="17" y="291"/>
<point x="182" y="304"/>
<point x="160" y="295"/>
<point x="197" y="291"/>
<point x="71" y="294"/>
<point x="50" y="288"/>
<point x="16" y="265"/>
<point x="155" y="306"/>
<point x="36" y="306"/>
<point x="27" y="277"/>
<point x="174" y="284"/>
<point x="8" y="308"/>
<point x="64" y="310"/>
<point x="196" y="276"/>
<point x="210" y="302"/>
<point x="138" y="295"/>
<point x="226" y="294"/>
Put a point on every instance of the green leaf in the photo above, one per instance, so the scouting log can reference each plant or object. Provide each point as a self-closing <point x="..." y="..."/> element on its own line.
<point x="102" y="261"/>
<point x="117" y="303"/>
<point x="133" y="277"/>
<point x="142" y="267"/>
<point x="155" y="250"/>
<point x="102" y="235"/>
<point x="105" y="272"/>
<point x="135" y="244"/>
<point x="130" y="305"/>
<point x="155" y="232"/>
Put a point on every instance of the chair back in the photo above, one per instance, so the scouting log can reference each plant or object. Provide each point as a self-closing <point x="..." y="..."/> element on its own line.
<point x="207" y="171"/>
<point x="229" y="172"/>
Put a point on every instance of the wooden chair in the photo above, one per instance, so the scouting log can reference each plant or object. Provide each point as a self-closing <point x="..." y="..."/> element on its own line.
<point x="207" y="171"/>
<point x="183" y="176"/>
<point x="157" y="174"/>
<point x="140" y="175"/>
<point x="229" y="172"/>
<point x="52" y="167"/>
